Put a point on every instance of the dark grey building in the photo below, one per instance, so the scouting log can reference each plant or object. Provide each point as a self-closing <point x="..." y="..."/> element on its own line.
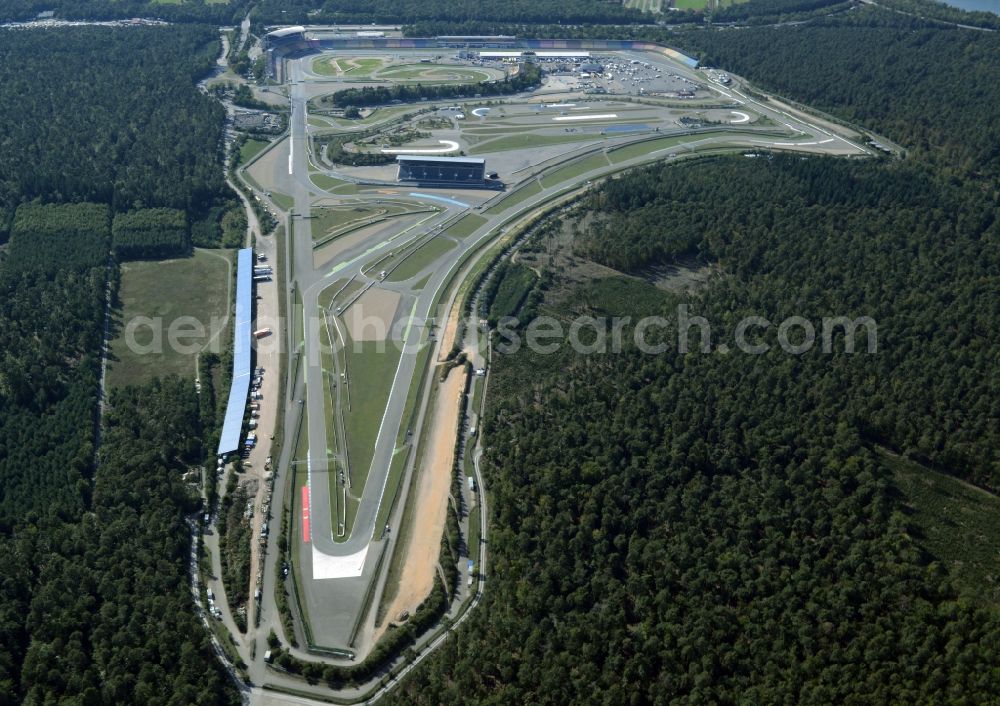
<point x="441" y="171"/>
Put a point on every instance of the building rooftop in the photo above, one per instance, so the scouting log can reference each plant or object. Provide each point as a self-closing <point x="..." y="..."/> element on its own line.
<point x="232" y="427"/>
<point x="444" y="160"/>
<point x="286" y="31"/>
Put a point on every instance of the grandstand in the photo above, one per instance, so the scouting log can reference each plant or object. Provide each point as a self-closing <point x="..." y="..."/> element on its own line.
<point x="232" y="427"/>
<point x="469" y="172"/>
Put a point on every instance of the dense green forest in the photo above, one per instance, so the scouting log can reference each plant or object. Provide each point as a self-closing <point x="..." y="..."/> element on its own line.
<point x="104" y="603"/>
<point x="52" y="237"/>
<point x="409" y="11"/>
<point x="682" y="528"/>
<point x="920" y="257"/>
<point x="506" y="292"/>
<point x="236" y="535"/>
<point x="90" y="560"/>
<point x="704" y="527"/>
<point x="933" y="90"/>
<point x="150" y="233"/>
<point x="216" y="13"/>
<point x="50" y="326"/>
<point x="931" y="9"/>
<point x="771" y="10"/>
<point x="96" y="554"/>
<point x="528" y="76"/>
<point x="299" y="11"/>
<point x="110" y="116"/>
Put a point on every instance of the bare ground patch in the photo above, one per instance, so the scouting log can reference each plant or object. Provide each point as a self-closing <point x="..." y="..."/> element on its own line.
<point x="450" y="330"/>
<point x="370" y="317"/>
<point x="683" y="276"/>
<point x="430" y="504"/>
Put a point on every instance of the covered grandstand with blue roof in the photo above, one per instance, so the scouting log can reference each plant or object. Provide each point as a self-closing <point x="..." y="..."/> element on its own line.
<point x="232" y="428"/>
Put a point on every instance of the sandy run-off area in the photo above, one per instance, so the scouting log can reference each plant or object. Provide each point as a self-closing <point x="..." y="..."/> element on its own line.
<point x="370" y="317"/>
<point x="431" y="502"/>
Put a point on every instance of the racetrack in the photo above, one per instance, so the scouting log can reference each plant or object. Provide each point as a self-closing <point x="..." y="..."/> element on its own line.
<point x="337" y="572"/>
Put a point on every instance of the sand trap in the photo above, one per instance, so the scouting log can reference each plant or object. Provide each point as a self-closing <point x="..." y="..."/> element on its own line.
<point x="740" y="118"/>
<point x="449" y="146"/>
<point x="430" y="503"/>
<point x="370" y="317"/>
<point x="480" y="112"/>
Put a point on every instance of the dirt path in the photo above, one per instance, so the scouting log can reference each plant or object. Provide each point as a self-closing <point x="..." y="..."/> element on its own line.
<point x="450" y="331"/>
<point x="431" y="502"/>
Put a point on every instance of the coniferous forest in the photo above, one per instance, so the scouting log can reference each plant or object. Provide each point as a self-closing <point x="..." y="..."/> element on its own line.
<point x="110" y="116"/>
<point x="929" y="88"/>
<point x="722" y="528"/>
<point x="95" y="603"/>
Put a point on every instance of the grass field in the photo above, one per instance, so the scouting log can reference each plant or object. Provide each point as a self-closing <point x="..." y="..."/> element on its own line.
<point x="379" y="115"/>
<point x="283" y="201"/>
<point x="466" y="226"/>
<point x="647" y="5"/>
<point x="250" y="149"/>
<point x="576" y="169"/>
<point x="166" y="290"/>
<point x="319" y="121"/>
<point x="639" y="149"/>
<point x="514" y="198"/>
<point x="665" y="143"/>
<point x="391" y="487"/>
<point x="525" y="140"/>
<point x="329" y="406"/>
<point x="959" y="525"/>
<point x="326" y="296"/>
<point x="360" y="67"/>
<point x="328" y="183"/>
<point x="475" y="531"/>
<point x="300" y="478"/>
<point x="248" y="178"/>
<point x="477" y="391"/>
<point x="371" y="367"/>
<point x="433" y="73"/>
<point x="424" y="256"/>
<point x="709" y="5"/>
<point x="398" y="558"/>
<point x="332" y="221"/>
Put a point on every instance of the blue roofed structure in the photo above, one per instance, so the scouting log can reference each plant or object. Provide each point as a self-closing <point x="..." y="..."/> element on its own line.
<point x="232" y="428"/>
